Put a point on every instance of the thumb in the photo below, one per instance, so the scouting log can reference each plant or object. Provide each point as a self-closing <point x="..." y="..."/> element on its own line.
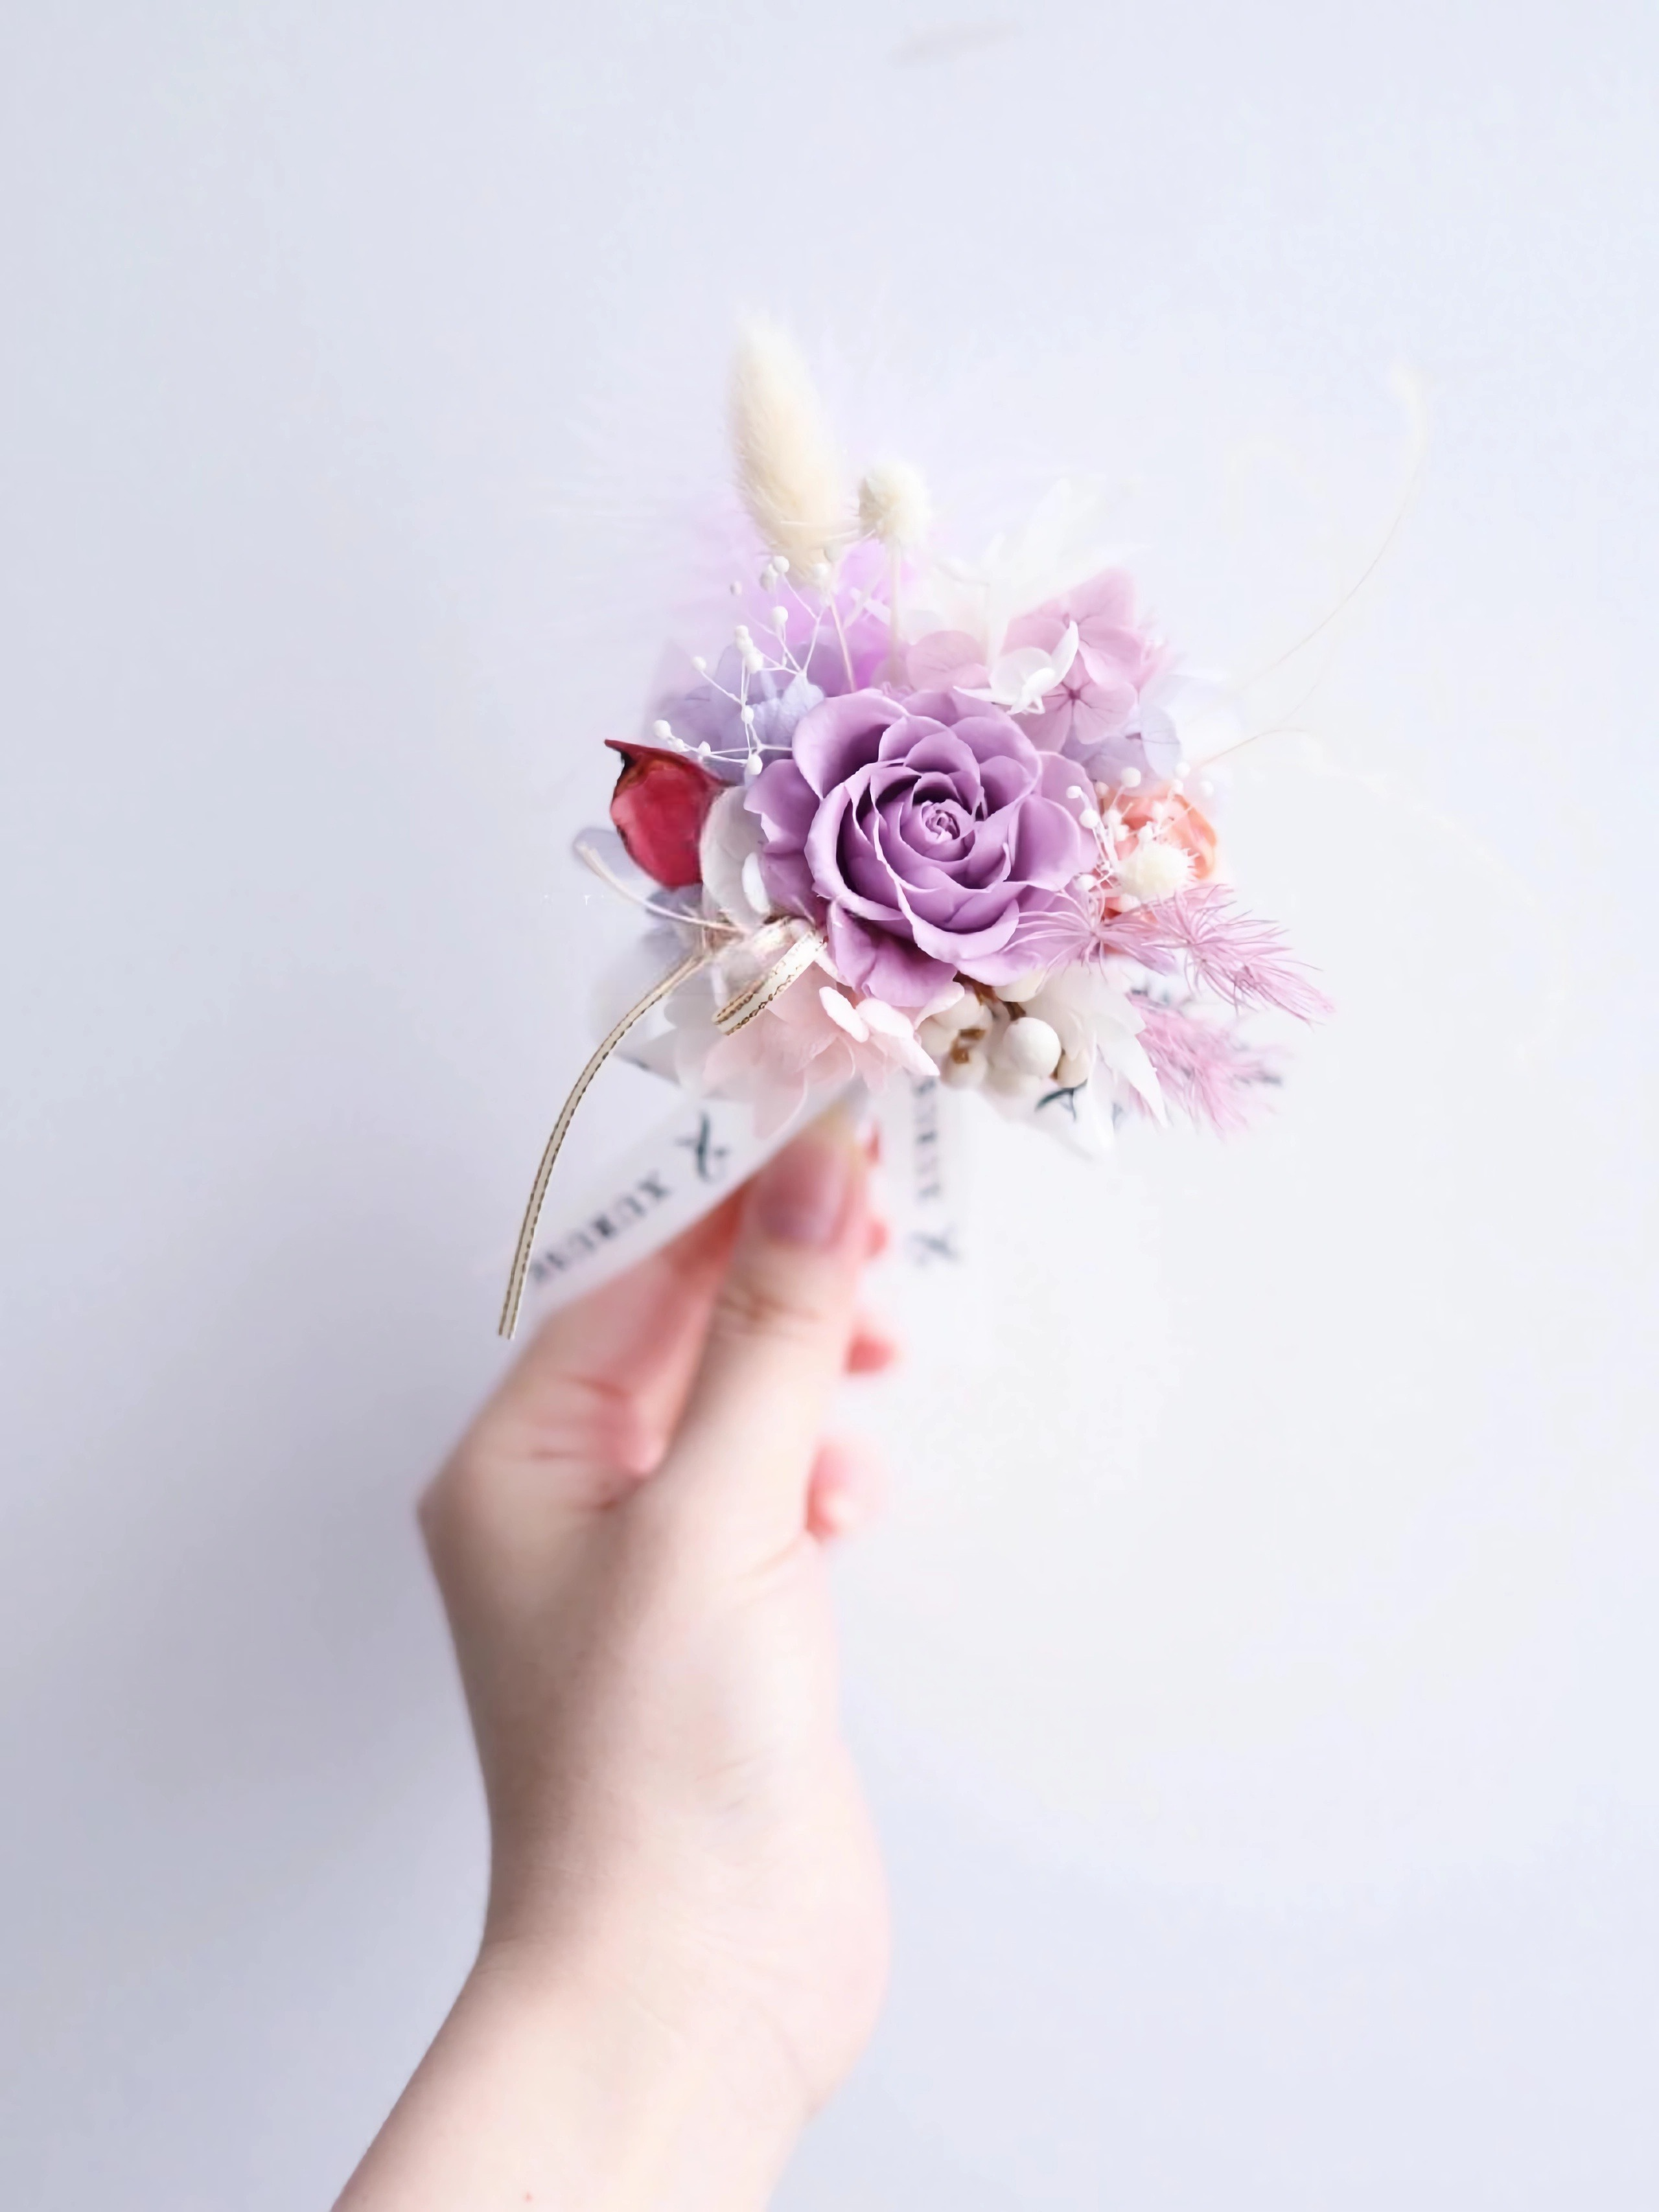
<point x="742" y="1460"/>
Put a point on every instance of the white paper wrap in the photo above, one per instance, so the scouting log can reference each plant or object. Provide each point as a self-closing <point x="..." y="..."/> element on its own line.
<point x="615" y="1214"/>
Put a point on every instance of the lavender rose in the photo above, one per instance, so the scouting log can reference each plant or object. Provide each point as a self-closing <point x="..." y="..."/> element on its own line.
<point x="928" y="835"/>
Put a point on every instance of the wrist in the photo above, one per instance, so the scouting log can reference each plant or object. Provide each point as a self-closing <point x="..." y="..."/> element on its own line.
<point x="582" y="2095"/>
<point x="665" y="2095"/>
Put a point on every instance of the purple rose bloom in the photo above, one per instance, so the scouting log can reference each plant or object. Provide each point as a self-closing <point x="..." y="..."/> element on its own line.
<point x="927" y="835"/>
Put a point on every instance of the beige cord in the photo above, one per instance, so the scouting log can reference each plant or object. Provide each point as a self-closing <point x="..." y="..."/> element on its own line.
<point x="532" y="1213"/>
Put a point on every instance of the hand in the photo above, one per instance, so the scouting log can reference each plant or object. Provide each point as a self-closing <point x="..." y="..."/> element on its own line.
<point x="686" y="1942"/>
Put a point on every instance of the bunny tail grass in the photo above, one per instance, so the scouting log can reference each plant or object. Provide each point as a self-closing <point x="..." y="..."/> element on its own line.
<point x="788" y="471"/>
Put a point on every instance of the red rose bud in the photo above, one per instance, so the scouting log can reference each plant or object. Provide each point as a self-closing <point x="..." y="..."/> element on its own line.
<point x="659" y="805"/>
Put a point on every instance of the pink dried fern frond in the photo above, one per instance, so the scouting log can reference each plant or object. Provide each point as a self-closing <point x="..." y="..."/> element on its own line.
<point x="1205" y="1069"/>
<point x="1061" y="934"/>
<point x="1242" y="959"/>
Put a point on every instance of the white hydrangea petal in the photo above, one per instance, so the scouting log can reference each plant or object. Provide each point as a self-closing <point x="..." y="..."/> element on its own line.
<point x="1021" y="679"/>
<point x="754" y="884"/>
<point x="885" y="1020"/>
<point x="731" y="839"/>
<point x="911" y="1055"/>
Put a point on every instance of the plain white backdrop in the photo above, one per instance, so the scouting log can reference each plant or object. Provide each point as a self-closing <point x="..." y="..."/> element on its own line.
<point x="1255" y="1671"/>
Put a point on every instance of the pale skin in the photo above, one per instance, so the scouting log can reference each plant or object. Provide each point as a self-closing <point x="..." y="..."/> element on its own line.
<point x="686" y="1940"/>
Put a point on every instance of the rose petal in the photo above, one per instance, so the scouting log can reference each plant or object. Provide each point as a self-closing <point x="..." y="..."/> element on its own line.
<point x="784" y="800"/>
<point x="876" y="963"/>
<point x="841" y="735"/>
<point x="789" y="885"/>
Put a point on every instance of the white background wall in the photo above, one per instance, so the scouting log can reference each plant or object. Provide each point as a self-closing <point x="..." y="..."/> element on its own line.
<point x="1255" y="1671"/>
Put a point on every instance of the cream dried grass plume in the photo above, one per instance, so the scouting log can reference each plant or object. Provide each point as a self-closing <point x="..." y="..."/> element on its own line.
<point x="788" y="473"/>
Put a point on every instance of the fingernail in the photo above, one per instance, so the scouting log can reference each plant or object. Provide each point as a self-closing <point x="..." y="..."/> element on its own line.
<point x="801" y="1196"/>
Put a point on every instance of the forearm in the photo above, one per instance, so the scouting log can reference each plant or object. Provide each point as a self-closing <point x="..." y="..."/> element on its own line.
<point x="539" y="2093"/>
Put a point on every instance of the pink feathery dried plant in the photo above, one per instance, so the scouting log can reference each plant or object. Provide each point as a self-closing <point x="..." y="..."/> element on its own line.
<point x="1242" y="959"/>
<point x="1204" y="1068"/>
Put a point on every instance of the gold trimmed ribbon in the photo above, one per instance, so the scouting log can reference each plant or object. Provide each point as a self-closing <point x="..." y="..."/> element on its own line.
<point x="753" y="1000"/>
<point x="757" y="996"/>
<point x="532" y="1213"/>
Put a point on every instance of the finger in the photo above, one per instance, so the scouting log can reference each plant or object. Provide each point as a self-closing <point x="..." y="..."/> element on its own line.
<point x="590" y="1404"/>
<point x="848" y="1487"/>
<point x="778" y="1338"/>
<point x="873" y="1346"/>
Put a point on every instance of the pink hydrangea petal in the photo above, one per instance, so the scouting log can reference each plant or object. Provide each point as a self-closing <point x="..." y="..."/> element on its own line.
<point x="1112" y="657"/>
<point x="1108" y="596"/>
<point x="1044" y="629"/>
<point x="945" y="658"/>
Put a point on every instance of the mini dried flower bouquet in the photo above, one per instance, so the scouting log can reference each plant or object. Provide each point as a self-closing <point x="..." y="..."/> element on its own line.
<point x="933" y="819"/>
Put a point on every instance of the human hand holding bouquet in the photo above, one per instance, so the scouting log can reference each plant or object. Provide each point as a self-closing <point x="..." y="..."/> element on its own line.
<point x="686" y="1939"/>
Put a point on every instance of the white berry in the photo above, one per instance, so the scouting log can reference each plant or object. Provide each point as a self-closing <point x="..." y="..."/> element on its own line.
<point x="967" y="1013"/>
<point x="1031" y="1045"/>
